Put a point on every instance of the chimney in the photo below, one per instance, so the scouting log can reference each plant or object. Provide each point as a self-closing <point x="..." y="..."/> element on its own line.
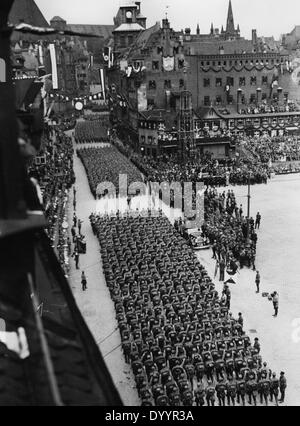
<point x="188" y="34"/>
<point x="280" y="95"/>
<point x="138" y="4"/>
<point x="254" y="37"/>
<point x="239" y="99"/>
<point x="258" y="96"/>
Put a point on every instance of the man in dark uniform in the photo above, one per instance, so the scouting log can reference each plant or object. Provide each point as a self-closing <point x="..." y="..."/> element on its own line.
<point x="257" y="282"/>
<point x="221" y="392"/>
<point x="231" y="391"/>
<point x="282" y="386"/>
<point x="274" y="388"/>
<point x="258" y="220"/>
<point x="222" y="266"/>
<point x="210" y="394"/>
<point x="199" y="395"/>
<point x="241" y="389"/>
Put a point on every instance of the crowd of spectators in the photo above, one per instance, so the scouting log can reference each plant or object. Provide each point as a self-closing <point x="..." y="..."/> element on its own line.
<point x="183" y="345"/>
<point x="55" y="176"/>
<point x="274" y="149"/>
<point x="226" y="226"/>
<point x="265" y="108"/>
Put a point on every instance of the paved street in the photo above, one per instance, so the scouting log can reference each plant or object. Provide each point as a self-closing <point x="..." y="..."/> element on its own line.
<point x="278" y="262"/>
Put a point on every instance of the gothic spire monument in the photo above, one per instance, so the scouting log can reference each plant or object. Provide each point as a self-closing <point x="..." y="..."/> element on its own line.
<point x="230" y="28"/>
<point x="231" y="31"/>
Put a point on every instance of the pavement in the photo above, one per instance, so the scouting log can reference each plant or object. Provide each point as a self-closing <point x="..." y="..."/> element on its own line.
<point x="278" y="262"/>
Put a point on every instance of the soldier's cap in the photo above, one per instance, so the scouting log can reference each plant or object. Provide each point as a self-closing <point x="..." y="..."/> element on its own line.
<point x="282" y="373"/>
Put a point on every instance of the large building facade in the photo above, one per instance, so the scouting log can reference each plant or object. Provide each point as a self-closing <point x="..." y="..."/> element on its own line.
<point x="247" y="83"/>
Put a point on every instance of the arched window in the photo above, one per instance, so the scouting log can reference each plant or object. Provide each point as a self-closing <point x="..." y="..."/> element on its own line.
<point x="2" y="71"/>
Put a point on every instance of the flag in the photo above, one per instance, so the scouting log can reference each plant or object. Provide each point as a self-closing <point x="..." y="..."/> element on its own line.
<point x="54" y="66"/>
<point x="102" y="80"/>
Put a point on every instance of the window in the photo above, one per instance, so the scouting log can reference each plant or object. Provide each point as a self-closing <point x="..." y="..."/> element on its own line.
<point x="242" y="81"/>
<point x="180" y="64"/>
<point x="230" y="99"/>
<point x="206" y="82"/>
<point x="151" y="102"/>
<point x="218" y="82"/>
<point x="265" y="80"/>
<point x="218" y="100"/>
<point x="122" y="41"/>
<point x="143" y="139"/>
<point x="181" y="83"/>
<point x="253" y="81"/>
<point x="206" y="100"/>
<point x="243" y="99"/>
<point x="130" y="40"/>
<point x="264" y="96"/>
<point x="253" y="98"/>
<point x="152" y="85"/>
<point x="155" y="65"/>
<point x="230" y="81"/>
<point x="168" y="84"/>
<point x="150" y="140"/>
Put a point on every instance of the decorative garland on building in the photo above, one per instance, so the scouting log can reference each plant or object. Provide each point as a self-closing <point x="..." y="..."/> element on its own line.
<point x="242" y="68"/>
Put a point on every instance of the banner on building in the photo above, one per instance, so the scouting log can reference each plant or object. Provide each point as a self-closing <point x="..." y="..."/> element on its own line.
<point x="123" y="65"/>
<point x="102" y="82"/>
<point x="169" y="63"/>
<point x="108" y="56"/>
<point x="142" y="98"/>
<point x="54" y="66"/>
<point x="2" y="71"/>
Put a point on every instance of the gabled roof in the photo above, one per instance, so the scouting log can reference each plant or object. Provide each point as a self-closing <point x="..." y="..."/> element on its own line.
<point x="208" y="113"/>
<point x="104" y="31"/>
<point x="27" y="11"/>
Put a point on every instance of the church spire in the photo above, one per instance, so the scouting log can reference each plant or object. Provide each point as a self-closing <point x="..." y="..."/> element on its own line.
<point x="230" y="29"/>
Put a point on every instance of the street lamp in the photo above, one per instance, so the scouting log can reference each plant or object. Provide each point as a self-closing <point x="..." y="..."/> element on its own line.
<point x="248" y="209"/>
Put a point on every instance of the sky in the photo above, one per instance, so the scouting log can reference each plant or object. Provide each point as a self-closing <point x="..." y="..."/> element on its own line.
<point x="269" y="17"/>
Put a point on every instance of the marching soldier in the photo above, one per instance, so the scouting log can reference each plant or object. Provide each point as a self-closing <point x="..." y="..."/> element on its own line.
<point x="241" y="389"/>
<point x="231" y="391"/>
<point x="252" y="391"/>
<point x="221" y="392"/>
<point x="199" y="395"/>
<point x="210" y="394"/>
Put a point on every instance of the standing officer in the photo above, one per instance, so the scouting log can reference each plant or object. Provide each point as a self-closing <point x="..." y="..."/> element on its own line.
<point x="275" y="299"/>
<point x="282" y="386"/>
<point x="257" y="281"/>
<point x="274" y="388"/>
<point x="258" y="220"/>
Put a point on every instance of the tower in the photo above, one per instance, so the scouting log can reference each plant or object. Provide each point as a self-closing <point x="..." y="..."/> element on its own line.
<point x="186" y="126"/>
<point x="230" y="29"/>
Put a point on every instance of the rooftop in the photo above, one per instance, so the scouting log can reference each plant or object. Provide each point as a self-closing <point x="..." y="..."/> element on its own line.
<point x="27" y="11"/>
<point x="129" y="27"/>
